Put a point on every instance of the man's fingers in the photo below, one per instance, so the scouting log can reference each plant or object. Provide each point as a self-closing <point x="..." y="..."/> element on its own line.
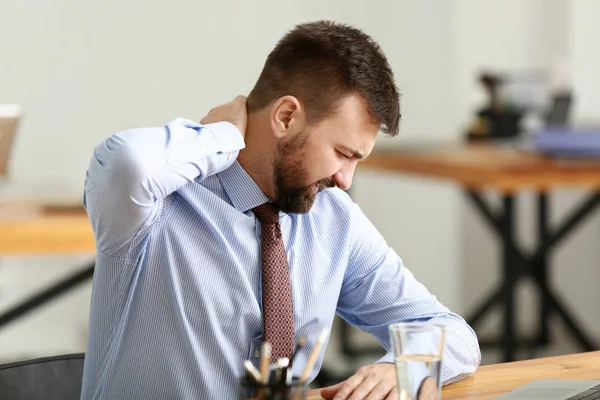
<point x="348" y="387"/>
<point x="393" y="394"/>
<point x="231" y="111"/>
<point x="366" y="388"/>
<point x="381" y="391"/>
<point x="372" y="382"/>
<point x="428" y="389"/>
<point x="330" y="391"/>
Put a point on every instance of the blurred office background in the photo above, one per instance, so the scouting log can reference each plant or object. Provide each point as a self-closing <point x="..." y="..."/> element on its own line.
<point x="83" y="70"/>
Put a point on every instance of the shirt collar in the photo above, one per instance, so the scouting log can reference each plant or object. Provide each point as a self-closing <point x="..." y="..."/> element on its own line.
<point x="243" y="192"/>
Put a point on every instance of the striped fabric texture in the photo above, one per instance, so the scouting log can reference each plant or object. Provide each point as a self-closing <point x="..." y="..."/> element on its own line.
<point x="176" y="303"/>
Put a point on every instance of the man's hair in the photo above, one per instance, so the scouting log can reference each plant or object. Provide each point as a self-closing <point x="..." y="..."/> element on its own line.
<point x="322" y="62"/>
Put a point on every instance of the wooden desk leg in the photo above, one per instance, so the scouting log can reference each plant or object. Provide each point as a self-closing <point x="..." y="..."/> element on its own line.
<point x="505" y="295"/>
<point x="511" y="276"/>
<point x="552" y="238"/>
<point x="517" y="264"/>
<point x="542" y="269"/>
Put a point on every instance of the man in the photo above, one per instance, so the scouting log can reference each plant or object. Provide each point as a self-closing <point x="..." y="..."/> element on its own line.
<point x="214" y="237"/>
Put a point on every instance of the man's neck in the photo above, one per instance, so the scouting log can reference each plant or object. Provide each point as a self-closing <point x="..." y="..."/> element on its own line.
<point x="257" y="158"/>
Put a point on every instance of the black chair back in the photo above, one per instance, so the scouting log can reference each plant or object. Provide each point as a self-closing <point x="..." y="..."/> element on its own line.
<point x="48" y="378"/>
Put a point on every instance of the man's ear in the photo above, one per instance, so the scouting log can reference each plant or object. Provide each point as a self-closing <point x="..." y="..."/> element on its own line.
<point x="288" y="117"/>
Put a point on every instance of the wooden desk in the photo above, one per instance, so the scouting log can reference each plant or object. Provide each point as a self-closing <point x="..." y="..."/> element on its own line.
<point x="46" y="231"/>
<point x="478" y="166"/>
<point x="507" y="170"/>
<point x="493" y="380"/>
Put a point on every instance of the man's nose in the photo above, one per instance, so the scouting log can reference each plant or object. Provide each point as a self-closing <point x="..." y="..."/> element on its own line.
<point x="343" y="178"/>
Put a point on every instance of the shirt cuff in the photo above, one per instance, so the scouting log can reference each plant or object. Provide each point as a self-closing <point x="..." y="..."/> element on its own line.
<point x="388" y="358"/>
<point x="227" y="135"/>
<point x="208" y="148"/>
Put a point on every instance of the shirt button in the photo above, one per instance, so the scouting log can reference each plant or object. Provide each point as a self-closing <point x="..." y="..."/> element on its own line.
<point x="256" y="354"/>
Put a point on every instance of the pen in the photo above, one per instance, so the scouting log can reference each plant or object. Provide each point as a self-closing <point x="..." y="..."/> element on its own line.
<point x="281" y="370"/>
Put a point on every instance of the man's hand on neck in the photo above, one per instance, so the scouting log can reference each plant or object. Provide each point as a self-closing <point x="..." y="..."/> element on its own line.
<point x="233" y="111"/>
<point x="255" y="157"/>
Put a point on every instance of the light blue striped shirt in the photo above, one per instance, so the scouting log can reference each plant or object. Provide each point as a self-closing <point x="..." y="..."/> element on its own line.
<point x="176" y="299"/>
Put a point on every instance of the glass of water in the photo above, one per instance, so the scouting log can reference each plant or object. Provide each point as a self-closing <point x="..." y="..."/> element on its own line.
<point x="418" y="351"/>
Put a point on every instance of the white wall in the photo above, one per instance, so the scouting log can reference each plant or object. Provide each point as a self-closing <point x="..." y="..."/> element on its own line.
<point x="584" y="54"/>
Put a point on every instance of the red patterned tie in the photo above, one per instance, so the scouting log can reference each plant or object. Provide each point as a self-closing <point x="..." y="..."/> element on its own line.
<point x="278" y="316"/>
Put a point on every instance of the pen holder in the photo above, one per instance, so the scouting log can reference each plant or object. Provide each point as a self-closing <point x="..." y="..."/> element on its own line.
<point x="250" y="389"/>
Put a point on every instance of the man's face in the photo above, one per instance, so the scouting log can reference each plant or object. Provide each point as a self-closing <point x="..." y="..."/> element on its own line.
<point x="323" y="156"/>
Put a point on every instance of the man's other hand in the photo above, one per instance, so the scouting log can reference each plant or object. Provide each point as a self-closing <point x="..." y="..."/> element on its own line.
<point x="375" y="382"/>
<point x="233" y="111"/>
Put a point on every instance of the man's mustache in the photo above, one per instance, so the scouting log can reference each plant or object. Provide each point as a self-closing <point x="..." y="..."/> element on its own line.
<point x="325" y="183"/>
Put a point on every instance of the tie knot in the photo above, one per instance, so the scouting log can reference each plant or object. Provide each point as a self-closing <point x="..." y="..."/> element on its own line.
<point x="267" y="213"/>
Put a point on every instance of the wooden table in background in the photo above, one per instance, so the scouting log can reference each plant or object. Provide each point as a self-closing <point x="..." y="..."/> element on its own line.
<point x="504" y="168"/>
<point x="493" y="380"/>
<point x="43" y="230"/>
<point x="29" y="230"/>
<point x="508" y="170"/>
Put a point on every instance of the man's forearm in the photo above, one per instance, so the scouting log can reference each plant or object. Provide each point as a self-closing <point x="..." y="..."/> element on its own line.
<point x="133" y="171"/>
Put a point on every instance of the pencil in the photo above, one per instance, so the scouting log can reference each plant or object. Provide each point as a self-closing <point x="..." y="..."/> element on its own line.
<point x="252" y="371"/>
<point x="265" y="356"/>
<point x="314" y="354"/>
<point x="299" y="346"/>
<point x="281" y="366"/>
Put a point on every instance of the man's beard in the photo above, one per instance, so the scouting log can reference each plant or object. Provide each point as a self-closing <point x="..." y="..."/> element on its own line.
<point x="292" y="195"/>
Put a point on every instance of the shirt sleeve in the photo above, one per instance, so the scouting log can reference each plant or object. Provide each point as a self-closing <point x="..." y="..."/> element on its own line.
<point x="378" y="290"/>
<point x="132" y="172"/>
